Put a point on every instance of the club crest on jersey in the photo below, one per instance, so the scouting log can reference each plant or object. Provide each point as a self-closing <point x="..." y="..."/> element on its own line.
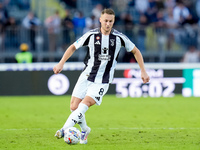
<point x="104" y="54"/>
<point x="98" y="37"/>
<point x="112" y="41"/>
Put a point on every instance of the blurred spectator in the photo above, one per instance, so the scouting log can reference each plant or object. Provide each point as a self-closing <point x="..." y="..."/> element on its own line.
<point x="128" y="30"/>
<point x="184" y="33"/>
<point x="198" y="8"/>
<point x="190" y="36"/>
<point x="160" y="5"/>
<point x="3" y="20"/>
<point x="24" y="4"/>
<point x="96" y="11"/>
<point x="128" y="25"/>
<point x="169" y="4"/>
<point x="191" y="5"/>
<point x="131" y="3"/>
<point x="192" y="55"/>
<point x="160" y="28"/>
<point x="188" y="23"/>
<point x="180" y="12"/>
<point x="152" y="11"/>
<point x="160" y="22"/>
<point x="169" y="19"/>
<point x="119" y="6"/>
<point x="3" y="13"/>
<point x="31" y="22"/>
<point x="79" y="23"/>
<point x="67" y="29"/>
<point x="171" y="25"/>
<point x="12" y="32"/>
<point x="190" y="20"/>
<point x="24" y="56"/>
<point x="143" y="22"/>
<point x="91" y="23"/>
<point x="53" y="24"/>
<point x="141" y="6"/>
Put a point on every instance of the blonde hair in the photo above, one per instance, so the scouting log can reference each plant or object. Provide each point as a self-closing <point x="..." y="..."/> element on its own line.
<point x="108" y="11"/>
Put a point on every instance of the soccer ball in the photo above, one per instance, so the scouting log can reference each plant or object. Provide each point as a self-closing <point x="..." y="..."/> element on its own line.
<point x="72" y="135"/>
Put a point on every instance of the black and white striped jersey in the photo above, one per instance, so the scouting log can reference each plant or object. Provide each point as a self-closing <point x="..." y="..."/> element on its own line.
<point x="103" y="53"/>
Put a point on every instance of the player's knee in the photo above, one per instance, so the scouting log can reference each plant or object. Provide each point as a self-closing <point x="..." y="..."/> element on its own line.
<point x="74" y="103"/>
<point x="88" y="101"/>
<point x="73" y="107"/>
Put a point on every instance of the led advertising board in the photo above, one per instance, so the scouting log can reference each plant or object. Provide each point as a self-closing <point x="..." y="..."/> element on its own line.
<point x="33" y="80"/>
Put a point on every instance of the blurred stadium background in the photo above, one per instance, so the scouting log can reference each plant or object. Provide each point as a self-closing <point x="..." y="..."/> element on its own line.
<point x="164" y="31"/>
<point x="153" y="25"/>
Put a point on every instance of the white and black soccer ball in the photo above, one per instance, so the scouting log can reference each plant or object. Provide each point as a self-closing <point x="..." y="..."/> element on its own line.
<point x="72" y="135"/>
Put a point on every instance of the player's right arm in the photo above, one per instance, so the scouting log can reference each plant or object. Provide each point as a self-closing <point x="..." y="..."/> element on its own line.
<point x="77" y="44"/>
<point x="68" y="53"/>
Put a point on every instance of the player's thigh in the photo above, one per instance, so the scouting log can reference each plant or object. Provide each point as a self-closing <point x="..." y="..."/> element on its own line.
<point x="74" y="103"/>
<point x="97" y="91"/>
<point x="80" y="87"/>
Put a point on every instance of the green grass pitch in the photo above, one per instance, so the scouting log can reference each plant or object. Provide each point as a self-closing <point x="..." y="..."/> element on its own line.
<point x="30" y="122"/>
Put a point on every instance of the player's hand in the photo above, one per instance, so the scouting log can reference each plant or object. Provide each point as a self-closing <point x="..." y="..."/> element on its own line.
<point x="145" y="77"/>
<point x="58" y="68"/>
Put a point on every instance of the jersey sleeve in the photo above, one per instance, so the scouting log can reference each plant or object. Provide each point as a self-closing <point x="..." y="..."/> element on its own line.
<point x="128" y="44"/>
<point x="80" y="42"/>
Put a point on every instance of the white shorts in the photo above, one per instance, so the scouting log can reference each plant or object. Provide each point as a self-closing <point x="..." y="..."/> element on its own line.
<point x="84" y="88"/>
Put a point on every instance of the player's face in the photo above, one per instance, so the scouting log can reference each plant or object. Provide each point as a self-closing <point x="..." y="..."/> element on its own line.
<point x="107" y="22"/>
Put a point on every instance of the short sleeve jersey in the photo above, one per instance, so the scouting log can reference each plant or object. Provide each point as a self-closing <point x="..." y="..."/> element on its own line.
<point x="103" y="52"/>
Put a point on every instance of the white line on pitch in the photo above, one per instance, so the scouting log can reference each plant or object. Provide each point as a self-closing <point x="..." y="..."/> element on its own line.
<point x="124" y="128"/>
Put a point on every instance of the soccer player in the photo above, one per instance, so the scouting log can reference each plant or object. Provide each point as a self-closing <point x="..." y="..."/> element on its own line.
<point x="104" y="45"/>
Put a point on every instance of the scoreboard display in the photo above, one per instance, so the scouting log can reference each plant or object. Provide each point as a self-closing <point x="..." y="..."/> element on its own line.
<point x="162" y="83"/>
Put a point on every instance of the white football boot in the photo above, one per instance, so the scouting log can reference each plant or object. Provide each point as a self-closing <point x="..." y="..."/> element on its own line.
<point x="84" y="135"/>
<point x="59" y="134"/>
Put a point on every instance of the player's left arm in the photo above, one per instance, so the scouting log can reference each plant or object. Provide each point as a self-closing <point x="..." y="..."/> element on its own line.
<point x="139" y="59"/>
